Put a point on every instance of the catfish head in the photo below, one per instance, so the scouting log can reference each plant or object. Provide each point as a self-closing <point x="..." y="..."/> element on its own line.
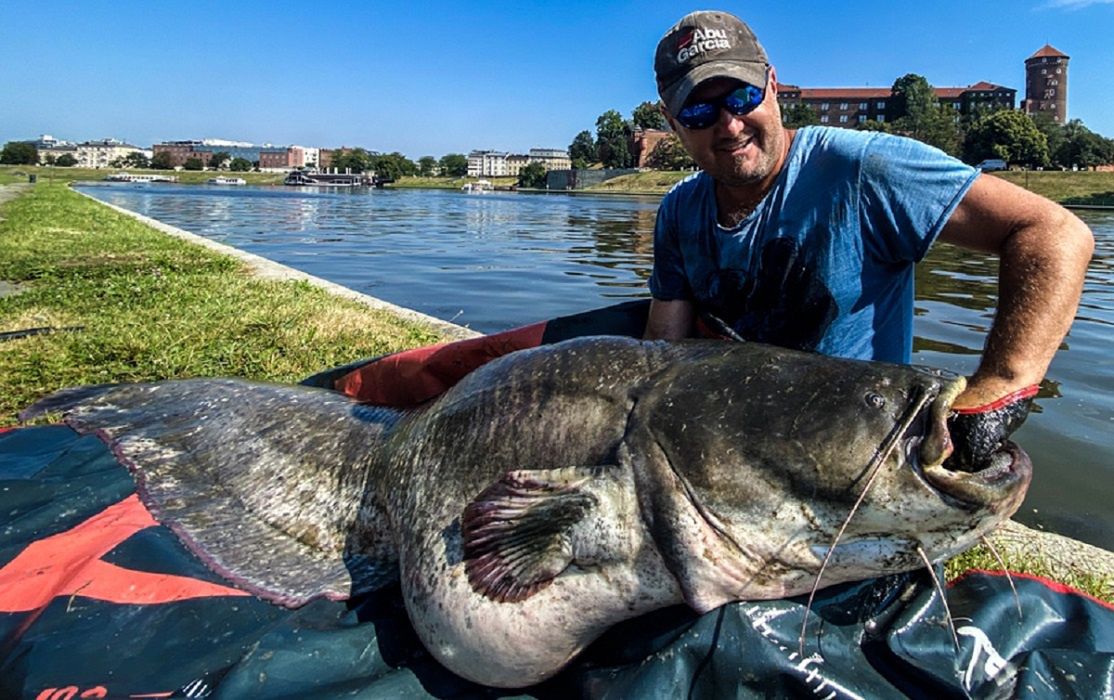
<point x="753" y="462"/>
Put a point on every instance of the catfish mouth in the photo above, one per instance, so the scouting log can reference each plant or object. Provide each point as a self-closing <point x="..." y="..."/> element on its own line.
<point x="999" y="485"/>
<point x="1000" y="481"/>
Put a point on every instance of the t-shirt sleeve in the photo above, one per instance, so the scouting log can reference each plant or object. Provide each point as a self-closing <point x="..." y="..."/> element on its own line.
<point x="908" y="191"/>
<point x="668" y="281"/>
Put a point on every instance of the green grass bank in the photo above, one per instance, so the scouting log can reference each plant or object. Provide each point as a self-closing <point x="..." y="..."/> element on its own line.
<point x="145" y="306"/>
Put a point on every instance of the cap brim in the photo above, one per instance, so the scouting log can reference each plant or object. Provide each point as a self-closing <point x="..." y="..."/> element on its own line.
<point x="675" y="95"/>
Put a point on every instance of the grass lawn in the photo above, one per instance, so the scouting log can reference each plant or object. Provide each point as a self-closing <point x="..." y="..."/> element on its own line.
<point x="447" y="183"/>
<point x="18" y="173"/>
<point x="149" y="306"/>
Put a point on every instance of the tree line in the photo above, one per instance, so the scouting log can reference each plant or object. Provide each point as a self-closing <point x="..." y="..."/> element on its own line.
<point x="1031" y="141"/>
<point x="1010" y="135"/>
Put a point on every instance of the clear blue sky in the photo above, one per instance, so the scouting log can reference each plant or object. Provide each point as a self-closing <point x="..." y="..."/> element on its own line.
<point x="430" y="78"/>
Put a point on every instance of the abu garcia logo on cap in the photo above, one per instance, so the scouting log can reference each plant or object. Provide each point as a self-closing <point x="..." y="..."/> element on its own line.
<point x="699" y="41"/>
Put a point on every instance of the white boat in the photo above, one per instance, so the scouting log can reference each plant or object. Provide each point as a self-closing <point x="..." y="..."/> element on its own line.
<point x="222" y="180"/>
<point x="477" y="187"/>
<point x="128" y="177"/>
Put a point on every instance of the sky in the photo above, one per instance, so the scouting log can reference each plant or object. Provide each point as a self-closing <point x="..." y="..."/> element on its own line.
<point x="431" y="77"/>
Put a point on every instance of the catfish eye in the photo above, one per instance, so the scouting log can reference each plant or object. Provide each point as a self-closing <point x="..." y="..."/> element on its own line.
<point x="874" y="400"/>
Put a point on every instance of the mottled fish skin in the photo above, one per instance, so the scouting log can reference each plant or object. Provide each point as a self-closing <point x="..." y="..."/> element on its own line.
<point x="559" y="490"/>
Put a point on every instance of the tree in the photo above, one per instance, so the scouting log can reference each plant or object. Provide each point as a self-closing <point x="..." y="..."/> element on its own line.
<point x="19" y="153"/>
<point x="240" y="165"/>
<point x="913" y="98"/>
<point x="917" y="113"/>
<point x="136" y="159"/>
<point x="669" y="154"/>
<point x="1009" y="135"/>
<point x="799" y="114"/>
<point x="392" y="166"/>
<point x="872" y="125"/>
<point x="1081" y="147"/>
<point x="66" y="160"/>
<point x="582" y="151"/>
<point x="1053" y="131"/>
<point x="162" y="161"/>
<point x="454" y="165"/>
<point x="193" y="163"/>
<point x="612" y="140"/>
<point x="427" y="165"/>
<point x="356" y="160"/>
<point x="218" y="159"/>
<point x="533" y="175"/>
<point x="648" y="116"/>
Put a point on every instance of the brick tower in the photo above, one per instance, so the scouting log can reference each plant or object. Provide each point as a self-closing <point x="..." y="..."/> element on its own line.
<point x="1046" y="84"/>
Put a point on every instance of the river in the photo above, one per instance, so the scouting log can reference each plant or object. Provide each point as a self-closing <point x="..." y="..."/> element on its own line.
<point x="499" y="260"/>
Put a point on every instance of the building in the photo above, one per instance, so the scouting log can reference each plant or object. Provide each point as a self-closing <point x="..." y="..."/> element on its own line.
<point x="1046" y="84"/>
<point x="282" y="159"/>
<point x="551" y="158"/>
<point x="502" y="164"/>
<point x="51" y="149"/>
<point x="849" y="107"/>
<point x="181" y="151"/>
<point x="487" y="164"/>
<point x="643" y="143"/>
<point x="101" y="154"/>
<point x="516" y="162"/>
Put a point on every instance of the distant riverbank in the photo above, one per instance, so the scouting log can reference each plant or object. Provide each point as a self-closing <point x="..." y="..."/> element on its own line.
<point x="1079" y="188"/>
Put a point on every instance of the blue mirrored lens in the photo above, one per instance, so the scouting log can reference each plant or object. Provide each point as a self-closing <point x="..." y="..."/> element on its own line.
<point x="698" y="116"/>
<point x="701" y="115"/>
<point x="743" y="100"/>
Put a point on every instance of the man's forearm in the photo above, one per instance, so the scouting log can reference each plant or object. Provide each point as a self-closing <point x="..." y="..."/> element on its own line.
<point x="1042" y="268"/>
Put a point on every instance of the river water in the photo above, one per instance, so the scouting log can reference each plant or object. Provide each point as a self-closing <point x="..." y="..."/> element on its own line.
<point x="500" y="260"/>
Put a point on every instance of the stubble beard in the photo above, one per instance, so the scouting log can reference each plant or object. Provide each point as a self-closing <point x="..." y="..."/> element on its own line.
<point x="742" y="171"/>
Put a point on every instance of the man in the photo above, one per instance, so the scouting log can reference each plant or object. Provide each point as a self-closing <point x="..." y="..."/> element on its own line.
<point x="807" y="238"/>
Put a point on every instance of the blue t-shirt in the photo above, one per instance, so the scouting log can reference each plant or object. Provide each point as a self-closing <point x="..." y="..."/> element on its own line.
<point x="825" y="261"/>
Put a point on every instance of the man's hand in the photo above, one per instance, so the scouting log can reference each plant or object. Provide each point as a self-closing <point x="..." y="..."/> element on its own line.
<point x="978" y="432"/>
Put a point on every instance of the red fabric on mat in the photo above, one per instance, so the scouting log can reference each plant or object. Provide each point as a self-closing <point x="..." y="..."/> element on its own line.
<point x="412" y="377"/>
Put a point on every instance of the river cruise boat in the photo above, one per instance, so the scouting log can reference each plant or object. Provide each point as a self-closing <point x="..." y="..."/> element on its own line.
<point x="330" y="179"/>
<point x="128" y="177"/>
<point x="222" y="180"/>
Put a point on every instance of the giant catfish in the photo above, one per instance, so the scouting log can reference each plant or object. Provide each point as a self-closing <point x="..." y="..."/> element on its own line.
<point x="559" y="490"/>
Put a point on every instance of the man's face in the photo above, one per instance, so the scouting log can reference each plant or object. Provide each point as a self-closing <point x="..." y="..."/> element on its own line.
<point x="736" y="150"/>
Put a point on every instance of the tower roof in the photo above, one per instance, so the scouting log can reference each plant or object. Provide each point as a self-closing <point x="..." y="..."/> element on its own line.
<point x="1048" y="51"/>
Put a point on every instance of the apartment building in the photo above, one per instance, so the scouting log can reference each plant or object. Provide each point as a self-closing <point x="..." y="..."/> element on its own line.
<point x="181" y="151"/>
<point x="101" y="154"/>
<point x="503" y="164"/>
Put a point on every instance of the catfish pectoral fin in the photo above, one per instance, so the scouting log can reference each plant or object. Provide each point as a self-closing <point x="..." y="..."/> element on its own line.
<point x="517" y="534"/>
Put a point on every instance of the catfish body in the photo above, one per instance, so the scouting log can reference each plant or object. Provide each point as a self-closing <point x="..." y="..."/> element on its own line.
<point x="556" y="491"/>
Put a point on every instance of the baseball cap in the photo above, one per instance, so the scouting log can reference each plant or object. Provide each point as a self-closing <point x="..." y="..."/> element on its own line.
<point x="703" y="45"/>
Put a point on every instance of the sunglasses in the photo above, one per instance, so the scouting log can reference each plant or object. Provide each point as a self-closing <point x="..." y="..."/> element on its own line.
<point x="742" y="100"/>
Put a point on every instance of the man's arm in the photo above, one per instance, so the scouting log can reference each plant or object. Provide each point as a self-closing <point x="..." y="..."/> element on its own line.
<point x="670" y="320"/>
<point x="1043" y="254"/>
